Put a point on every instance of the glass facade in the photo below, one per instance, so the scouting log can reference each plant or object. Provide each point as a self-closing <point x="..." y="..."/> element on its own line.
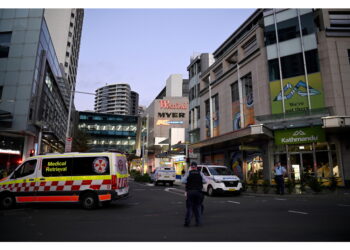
<point x="109" y="132"/>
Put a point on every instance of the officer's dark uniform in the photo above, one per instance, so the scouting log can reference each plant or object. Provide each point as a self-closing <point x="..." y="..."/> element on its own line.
<point x="195" y="197"/>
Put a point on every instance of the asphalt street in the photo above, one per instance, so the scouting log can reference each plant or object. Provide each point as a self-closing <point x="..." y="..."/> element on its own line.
<point x="156" y="213"/>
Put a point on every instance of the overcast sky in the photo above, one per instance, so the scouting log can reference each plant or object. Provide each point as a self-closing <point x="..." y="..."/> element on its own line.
<point x="142" y="47"/>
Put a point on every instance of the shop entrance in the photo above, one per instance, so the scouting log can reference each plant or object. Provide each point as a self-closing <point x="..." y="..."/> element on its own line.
<point x="301" y="162"/>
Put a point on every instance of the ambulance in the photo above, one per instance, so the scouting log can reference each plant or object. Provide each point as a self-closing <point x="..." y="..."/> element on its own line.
<point x="90" y="179"/>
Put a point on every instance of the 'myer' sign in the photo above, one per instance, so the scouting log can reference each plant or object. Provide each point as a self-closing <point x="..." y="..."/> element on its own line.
<point x="172" y="112"/>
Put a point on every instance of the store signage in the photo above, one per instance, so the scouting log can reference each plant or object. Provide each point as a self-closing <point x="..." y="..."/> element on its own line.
<point x="167" y="122"/>
<point x="171" y="115"/>
<point x="300" y="135"/>
<point x="10" y="151"/>
<point x="165" y="104"/>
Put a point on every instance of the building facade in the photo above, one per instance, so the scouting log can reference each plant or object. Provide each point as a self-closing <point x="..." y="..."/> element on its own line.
<point x="33" y="88"/>
<point x="108" y="131"/>
<point x="66" y="26"/>
<point x="276" y="92"/>
<point x="167" y="123"/>
<point x="116" y="99"/>
<point x="134" y="107"/>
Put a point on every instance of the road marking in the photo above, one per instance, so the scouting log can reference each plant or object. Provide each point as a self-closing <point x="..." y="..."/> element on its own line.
<point x="139" y="189"/>
<point x="343" y="205"/>
<point x="296" y="212"/>
<point x="171" y="190"/>
<point x="278" y="199"/>
<point x="150" y="184"/>
<point x="236" y="202"/>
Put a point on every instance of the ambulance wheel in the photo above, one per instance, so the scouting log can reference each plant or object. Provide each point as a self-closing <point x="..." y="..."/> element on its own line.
<point x="171" y="184"/>
<point x="210" y="191"/>
<point x="155" y="183"/>
<point x="7" y="201"/>
<point x="88" y="201"/>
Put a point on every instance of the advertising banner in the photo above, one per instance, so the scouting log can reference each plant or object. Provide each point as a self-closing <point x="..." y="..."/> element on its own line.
<point x="295" y="94"/>
<point x="300" y="135"/>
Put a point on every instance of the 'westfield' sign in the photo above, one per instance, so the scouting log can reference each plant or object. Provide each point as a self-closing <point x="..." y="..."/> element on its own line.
<point x="165" y="104"/>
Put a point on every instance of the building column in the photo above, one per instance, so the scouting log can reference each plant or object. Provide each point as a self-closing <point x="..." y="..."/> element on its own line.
<point x="28" y="145"/>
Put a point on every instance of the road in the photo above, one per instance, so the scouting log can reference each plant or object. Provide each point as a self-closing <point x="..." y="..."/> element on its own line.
<point x="157" y="214"/>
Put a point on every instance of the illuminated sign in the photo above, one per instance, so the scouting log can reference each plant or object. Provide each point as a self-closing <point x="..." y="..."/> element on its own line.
<point x="172" y="115"/>
<point x="167" y="122"/>
<point x="165" y="104"/>
<point x="9" y="151"/>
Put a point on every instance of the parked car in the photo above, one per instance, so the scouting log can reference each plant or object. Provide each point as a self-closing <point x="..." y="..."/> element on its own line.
<point x="163" y="175"/>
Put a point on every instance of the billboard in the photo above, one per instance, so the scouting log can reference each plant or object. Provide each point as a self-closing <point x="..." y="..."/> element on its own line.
<point x="295" y="94"/>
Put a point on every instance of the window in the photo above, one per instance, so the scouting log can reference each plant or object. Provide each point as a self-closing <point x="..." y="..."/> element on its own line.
<point x="348" y="58"/>
<point x="274" y="73"/>
<point x="250" y="46"/>
<point x="247" y="85"/>
<point x="205" y="172"/>
<point x="307" y="24"/>
<point x="270" y="35"/>
<point x="57" y="167"/>
<point x="91" y="165"/>
<point x="339" y="19"/>
<point x="5" y="39"/>
<point x="220" y="171"/>
<point x="49" y="80"/>
<point x="234" y="92"/>
<point x="1" y="88"/>
<point x="26" y="169"/>
<point x="218" y="71"/>
<point x="68" y="44"/>
<point x="288" y="29"/>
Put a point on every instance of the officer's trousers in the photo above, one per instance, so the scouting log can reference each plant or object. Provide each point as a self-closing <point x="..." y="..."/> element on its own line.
<point x="194" y="206"/>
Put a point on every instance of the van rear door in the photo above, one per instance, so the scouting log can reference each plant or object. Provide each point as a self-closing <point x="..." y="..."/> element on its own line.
<point x="121" y="171"/>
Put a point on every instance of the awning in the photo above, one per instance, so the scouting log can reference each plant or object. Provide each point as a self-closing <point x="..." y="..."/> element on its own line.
<point x="249" y="133"/>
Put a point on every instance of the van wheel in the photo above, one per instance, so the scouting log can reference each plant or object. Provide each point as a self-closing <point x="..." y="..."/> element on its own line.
<point x="7" y="201"/>
<point x="155" y="183"/>
<point x="210" y="191"/>
<point x="88" y="201"/>
<point x="171" y="184"/>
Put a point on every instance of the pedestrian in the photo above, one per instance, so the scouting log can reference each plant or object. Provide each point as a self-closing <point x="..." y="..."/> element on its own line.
<point x="280" y="172"/>
<point x="194" y="181"/>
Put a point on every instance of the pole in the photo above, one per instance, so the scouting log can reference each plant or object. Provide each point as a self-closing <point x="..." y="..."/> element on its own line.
<point x="39" y="140"/>
<point x="69" y="111"/>
<point x="211" y="113"/>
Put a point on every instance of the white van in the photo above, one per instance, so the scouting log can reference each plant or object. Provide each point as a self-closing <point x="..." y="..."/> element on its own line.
<point x="220" y="179"/>
<point x="85" y="178"/>
<point x="164" y="175"/>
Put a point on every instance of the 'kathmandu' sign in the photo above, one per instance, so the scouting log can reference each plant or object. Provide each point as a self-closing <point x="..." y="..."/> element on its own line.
<point x="165" y="104"/>
<point x="300" y="135"/>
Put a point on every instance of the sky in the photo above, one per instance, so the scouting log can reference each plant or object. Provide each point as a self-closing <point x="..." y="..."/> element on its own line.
<point x="143" y="47"/>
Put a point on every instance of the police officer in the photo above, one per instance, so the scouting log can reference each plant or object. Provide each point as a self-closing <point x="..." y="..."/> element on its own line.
<point x="194" y="181"/>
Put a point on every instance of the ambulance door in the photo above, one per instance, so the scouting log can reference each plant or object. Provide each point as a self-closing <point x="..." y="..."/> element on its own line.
<point x="121" y="171"/>
<point x="24" y="179"/>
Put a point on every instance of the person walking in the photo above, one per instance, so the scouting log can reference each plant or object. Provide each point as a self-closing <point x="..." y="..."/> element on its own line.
<point x="280" y="172"/>
<point x="194" y="181"/>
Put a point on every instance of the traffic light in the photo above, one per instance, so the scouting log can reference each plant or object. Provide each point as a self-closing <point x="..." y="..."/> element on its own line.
<point x="31" y="152"/>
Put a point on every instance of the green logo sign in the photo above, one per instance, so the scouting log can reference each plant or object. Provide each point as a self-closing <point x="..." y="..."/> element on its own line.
<point x="300" y="135"/>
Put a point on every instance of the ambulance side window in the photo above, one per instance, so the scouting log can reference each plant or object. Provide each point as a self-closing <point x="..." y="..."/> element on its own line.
<point x="26" y="169"/>
<point x="90" y="166"/>
<point x="56" y="167"/>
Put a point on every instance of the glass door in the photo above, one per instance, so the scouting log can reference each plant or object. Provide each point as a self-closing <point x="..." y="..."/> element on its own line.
<point x="307" y="163"/>
<point x="295" y="162"/>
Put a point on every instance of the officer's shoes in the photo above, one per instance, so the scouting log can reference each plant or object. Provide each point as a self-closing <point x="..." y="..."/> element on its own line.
<point x="186" y="225"/>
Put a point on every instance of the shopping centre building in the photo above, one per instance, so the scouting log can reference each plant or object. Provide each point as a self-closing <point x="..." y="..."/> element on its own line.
<point x="278" y="91"/>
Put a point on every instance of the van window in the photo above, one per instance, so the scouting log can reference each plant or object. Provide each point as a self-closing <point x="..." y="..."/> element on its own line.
<point x="26" y="169"/>
<point x="90" y="166"/>
<point x="205" y="172"/>
<point x="56" y="167"/>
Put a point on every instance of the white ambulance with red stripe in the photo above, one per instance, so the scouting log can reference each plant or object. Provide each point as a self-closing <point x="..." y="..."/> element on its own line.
<point x="87" y="178"/>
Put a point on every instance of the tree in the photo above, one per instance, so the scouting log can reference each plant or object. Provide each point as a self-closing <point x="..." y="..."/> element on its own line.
<point x="80" y="141"/>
